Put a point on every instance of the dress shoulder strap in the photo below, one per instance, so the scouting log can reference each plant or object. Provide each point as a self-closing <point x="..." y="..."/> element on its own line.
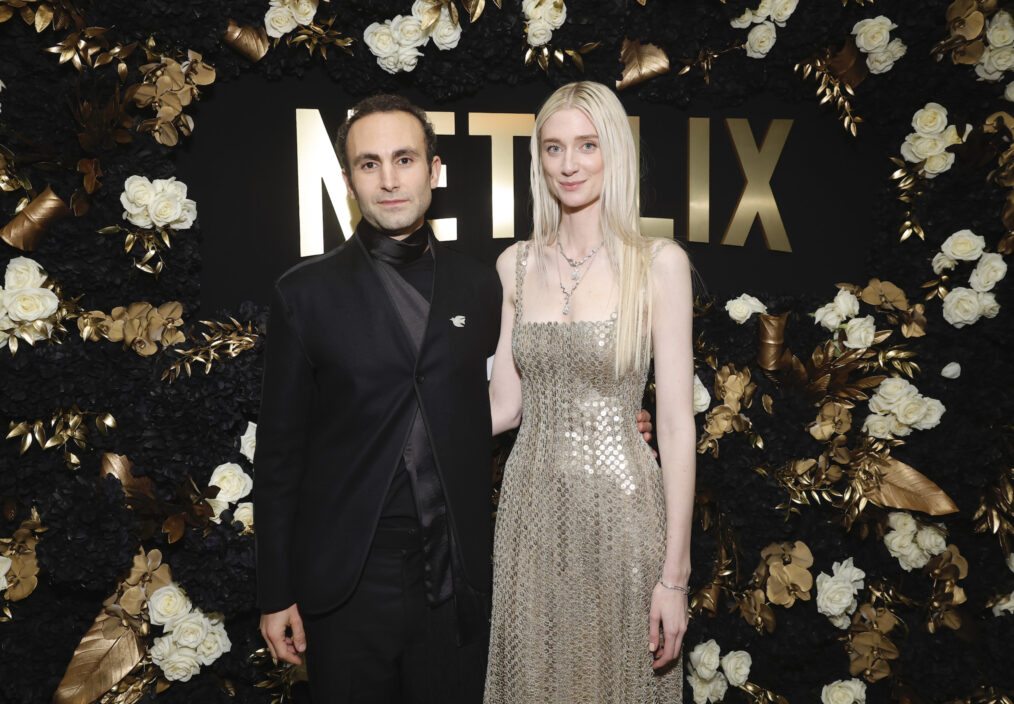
<point x="521" y="265"/>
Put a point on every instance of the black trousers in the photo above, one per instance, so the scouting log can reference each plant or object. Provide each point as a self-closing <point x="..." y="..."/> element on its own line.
<point x="385" y="645"/>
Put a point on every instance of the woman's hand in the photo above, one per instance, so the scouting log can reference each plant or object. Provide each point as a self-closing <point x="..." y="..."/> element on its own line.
<point x="667" y="624"/>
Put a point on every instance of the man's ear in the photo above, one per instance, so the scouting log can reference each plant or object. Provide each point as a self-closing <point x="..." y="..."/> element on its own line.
<point x="435" y="172"/>
<point x="348" y="185"/>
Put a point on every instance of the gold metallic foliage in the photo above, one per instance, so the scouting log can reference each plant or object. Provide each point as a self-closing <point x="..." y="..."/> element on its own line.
<point x="119" y="466"/>
<point x="995" y="513"/>
<point x="836" y="76"/>
<point x="247" y="41"/>
<point x="167" y="88"/>
<point x="966" y="24"/>
<point x="542" y="55"/>
<point x="223" y="340"/>
<point x="911" y="183"/>
<point x="641" y="62"/>
<point x="985" y="695"/>
<point x="279" y="677"/>
<point x="102" y="126"/>
<point x="20" y="550"/>
<point x="758" y="695"/>
<point x="33" y="219"/>
<point x="57" y="14"/>
<point x="320" y="35"/>
<point x="11" y="179"/>
<point x="705" y="59"/>
<point x="474" y="8"/>
<point x="63" y="428"/>
<point x="735" y="390"/>
<point x="89" y="47"/>
<point x="870" y="650"/>
<point x="151" y="242"/>
<point x="114" y="645"/>
<point x="945" y="570"/>
<point x="140" y="326"/>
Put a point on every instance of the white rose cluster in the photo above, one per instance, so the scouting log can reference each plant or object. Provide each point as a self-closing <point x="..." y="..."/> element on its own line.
<point x="963" y="305"/>
<point x="928" y="144"/>
<point x="707" y="683"/>
<point x="543" y="16"/>
<point x="743" y="307"/>
<point x="26" y="305"/>
<point x="836" y="592"/>
<point x="159" y="203"/>
<point x="998" y="56"/>
<point x="702" y="399"/>
<point x="763" y="22"/>
<point x="873" y="38"/>
<point x="913" y="545"/>
<point x="898" y="408"/>
<point x="859" y="332"/>
<point x="851" y="691"/>
<point x="396" y="42"/>
<point x="191" y="637"/>
<point x="283" y="16"/>
<point x="233" y="484"/>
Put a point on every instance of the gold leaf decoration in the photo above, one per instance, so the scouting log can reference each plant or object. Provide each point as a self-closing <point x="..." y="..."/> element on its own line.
<point x="222" y="341"/>
<point x="140" y="326"/>
<point x="20" y="550"/>
<point x="169" y="86"/>
<point x="99" y="662"/>
<point x="901" y="486"/>
<point x="31" y="223"/>
<point x="641" y="62"/>
<point x="320" y="35"/>
<point x="945" y="570"/>
<point x="995" y="513"/>
<point x="59" y="431"/>
<point x="835" y="88"/>
<point x="870" y="650"/>
<point x="545" y="54"/>
<point x="247" y="41"/>
<point x="119" y="466"/>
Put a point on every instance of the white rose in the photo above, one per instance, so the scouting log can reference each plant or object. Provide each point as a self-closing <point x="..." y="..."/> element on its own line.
<point x="931" y="539"/>
<point x="834" y="596"/>
<point x="391" y="64"/>
<point x="841" y="621"/>
<point x="988" y="305"/>
<point x="918" y="147"/>
<point x="933" y="411"/>
<point x="911" y="409"/>
<point x="828" y="316"/>
<point x="899" y="429"/>
<point x="896" y="48"/>
<point x="990" y="269"/>
<point x="5" y="566"/>
<point x="898" y="542"/>
<point x="1002" y="18"/>
<point x="28" y="304"/>
<point x="902" y="522"/>
<point x="880" y="61"/>
<point x="165" y="208"/>
<point x="702" y="399"/>
<point x="699" y="686"/>
<point x="937" y="164"/>
<point x="999" y="59"/>
<point x="951" y="370"/>
<point x="890" y="392"/>
<point x="304" y="10"/>
<point x="873" y="34"/>
<point x="781" y="11"/>
<point x="139" y="217"/>
<point x="188" y="214"/>
<point x="983" y="69"/>
<point x="736" y="666"/>
<point x="931" y="119"/>
<point x="137" y="192"/>
<point x="555" y="14"/>
<point x="169" y="185"/>
<point x="279" y="21"/>
<point x="763" y="10"/>
<point x="248" y="441"/>
<point x="217" y="507"/>
<point x="167" y="605"/>
<point x="1004" y="606"/>
<point x="407" y="31"/>
<point x="420" y="8"/>
<point x="190" y="630"/>
<point x="844" y="692"/>
<point x="244" y="513"/>
<point x="161" y="649"/>
<point x="760" y="40"/>
<point x="942" y="263"/>
<point x="232" y="482"/>
<point x="408" y="57"/>
<point x="849" y="572"/>
<point x="215" y="643"/>
<point x="717" y="686"/>
<point x="743" y="306"/>
<point x="180" y="665"/>
<point x="964" y="245"/>
<point x="446" y="34"/>
<point x="877" y="426"/>
<point x="380" y="40"/>
<point x="846" y="303"/>
<point x="859" y="332"/>
<point x="1008" y="92"/>
<point x="23" y="272"/>
<point x="1000" y="34"/>
<point x="743" y="21"/>
<point x="705" y="658"/>
<point x="961" y="307"/>
<point x="914" y="558"/>
<point x="533" y="9"/>
<point x="539" y="31"/>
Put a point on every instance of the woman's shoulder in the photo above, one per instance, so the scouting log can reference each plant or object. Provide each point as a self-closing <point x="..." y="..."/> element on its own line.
<point x="667" y="255"/>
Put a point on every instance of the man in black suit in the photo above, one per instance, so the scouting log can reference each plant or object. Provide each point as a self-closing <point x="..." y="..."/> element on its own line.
<point x="373" y="473"/>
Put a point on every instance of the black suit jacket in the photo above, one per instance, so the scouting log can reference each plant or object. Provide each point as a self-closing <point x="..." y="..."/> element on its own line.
<point x="341" y="383"/>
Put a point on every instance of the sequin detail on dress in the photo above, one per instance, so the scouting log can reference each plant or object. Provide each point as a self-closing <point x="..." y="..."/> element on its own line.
<point x="580" y="528"/>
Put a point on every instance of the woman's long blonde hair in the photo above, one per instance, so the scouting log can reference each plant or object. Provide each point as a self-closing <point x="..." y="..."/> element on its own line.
<point x="619" y="210"/>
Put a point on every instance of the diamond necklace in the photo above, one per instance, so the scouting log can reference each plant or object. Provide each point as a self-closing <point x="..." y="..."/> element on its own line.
<point x="575" y="273"/>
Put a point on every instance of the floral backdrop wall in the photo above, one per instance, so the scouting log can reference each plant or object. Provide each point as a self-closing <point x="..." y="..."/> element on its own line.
<point x="854" y="522"/>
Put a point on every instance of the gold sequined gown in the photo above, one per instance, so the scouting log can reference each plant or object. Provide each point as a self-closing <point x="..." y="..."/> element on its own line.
<point x="580" y="529"/>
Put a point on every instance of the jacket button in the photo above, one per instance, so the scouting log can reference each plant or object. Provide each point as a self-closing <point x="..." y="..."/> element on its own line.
<point x="419" y="378"/>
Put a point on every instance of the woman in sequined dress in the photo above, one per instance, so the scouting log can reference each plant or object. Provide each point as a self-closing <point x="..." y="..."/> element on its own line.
<point x="592" y="547"/>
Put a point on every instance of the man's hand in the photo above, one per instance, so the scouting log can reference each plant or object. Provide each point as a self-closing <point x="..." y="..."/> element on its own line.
<point x="274" y="627"/>
<point x="644" y="426"/>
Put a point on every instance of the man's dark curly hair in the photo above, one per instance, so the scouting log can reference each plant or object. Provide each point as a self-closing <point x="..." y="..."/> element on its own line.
<point x="384" y="103"/>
